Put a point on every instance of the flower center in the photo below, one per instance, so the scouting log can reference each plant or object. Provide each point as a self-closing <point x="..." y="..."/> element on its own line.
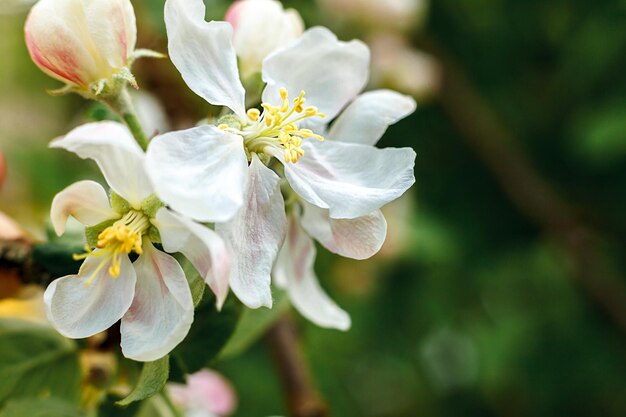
<point x="277" y="127"/>
<point x="120" y="239"/>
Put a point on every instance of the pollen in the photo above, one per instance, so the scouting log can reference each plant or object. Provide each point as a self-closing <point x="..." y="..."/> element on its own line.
<point x="120" y="239"/>
<point x="277" y="126"/>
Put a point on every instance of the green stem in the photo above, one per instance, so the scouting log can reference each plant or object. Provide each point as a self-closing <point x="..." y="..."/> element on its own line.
<point x="168" y="402"/>
<point x="123" y="106"/>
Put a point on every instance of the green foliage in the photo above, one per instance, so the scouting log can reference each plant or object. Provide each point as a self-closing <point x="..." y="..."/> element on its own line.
<point x="151" y="381"/>
<point x="40" y="407"/>
<point x="35" y="361"/>
<point x="56" y="258"/>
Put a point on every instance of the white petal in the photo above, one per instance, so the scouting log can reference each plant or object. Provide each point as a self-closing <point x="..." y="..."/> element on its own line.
<point x="358" y="238"/>
<point x="203" y="53"/>
<point x="111" y="24"/>
<point x="349" y="179"/>
<point x="162" y="310"/>
<point x="330" y="72"/>
<point x="86" y="201"/>
<point x="366" y="119"/>
<point x="204" y="248"/>
<point x="294" y="272"/>
<point x="199" y="172"/>
<point x="117" y="154"/>
<point x="261" y="27"/>
<point x="255" y="235"/>
<point x="78" y="311"/>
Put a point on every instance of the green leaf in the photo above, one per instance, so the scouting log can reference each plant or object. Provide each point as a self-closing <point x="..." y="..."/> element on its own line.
<point x="40" y="407"/>
<point x="210" y="331"/>
<point x="252" y="325"/>
<point x="151" y="381"/>
<point x="196" y="283"/>
<point x="36" y="361"/>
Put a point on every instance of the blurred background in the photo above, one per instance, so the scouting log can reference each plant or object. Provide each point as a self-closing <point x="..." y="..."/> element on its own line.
<point x="500" y="289"/>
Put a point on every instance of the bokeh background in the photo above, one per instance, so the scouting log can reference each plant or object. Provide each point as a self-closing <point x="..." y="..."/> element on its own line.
<point x="500" y="291"/>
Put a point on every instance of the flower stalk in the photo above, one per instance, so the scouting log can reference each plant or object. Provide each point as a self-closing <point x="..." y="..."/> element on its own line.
<point x="123" y="106"/>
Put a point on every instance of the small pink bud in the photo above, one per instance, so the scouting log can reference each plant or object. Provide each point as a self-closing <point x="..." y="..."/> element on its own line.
<point x="81" y="42"/>
<point x="206" y="391"/>
<point x="260" y="27"/>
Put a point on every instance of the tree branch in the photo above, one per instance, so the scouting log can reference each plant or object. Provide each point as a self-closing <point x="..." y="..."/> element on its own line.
<point x="303" y="399"/>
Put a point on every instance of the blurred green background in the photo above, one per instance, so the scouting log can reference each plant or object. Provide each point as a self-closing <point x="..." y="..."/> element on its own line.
<point x="477" y="306"/>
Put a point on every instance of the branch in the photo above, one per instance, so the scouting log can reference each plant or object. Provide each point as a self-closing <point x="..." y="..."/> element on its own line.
<point x="303" y="400"/>
<point x="534" y="197"/>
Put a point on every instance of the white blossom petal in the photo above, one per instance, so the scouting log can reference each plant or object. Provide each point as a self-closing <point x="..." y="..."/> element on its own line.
<point x="294" y="272"/>
<point x="204" y="248"/>
<point x="349" y="179"/>
<point x="203" y="53"/>
<point x="367" y="118"/>
<point x="117" y="154"/>
<point x="162" y="310"/>
<point x="260" y="27"/>
<point x="330" y="72"/>
<point x="86" y="201"/>
<point x="255" y="235"/>
<point x="199" y="172"/>
<point x="358" y="238"/>
<point x="77" y="310"/>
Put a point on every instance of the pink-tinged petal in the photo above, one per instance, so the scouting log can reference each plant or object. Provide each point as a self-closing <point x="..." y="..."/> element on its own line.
<point x="118" y="156"/>
<point x="349" y="179"/>
<point x="367" y="118"/>
<point x="260" y="28"/>
<point x="86" y="201"/>
<point x="203" y="54"/>
<point x="255" y="235"/>
<point x="199" y="172"/>
<point x="207" y="391"/>
<point x="162" y="310"/>
<point x="329" y="71"/>
<point x="358" y="238"/>
<point x="78" y="310"/>
<point x="204" y="248"/>
<point x="112" y="26"/>
<point x="294" y="272"/>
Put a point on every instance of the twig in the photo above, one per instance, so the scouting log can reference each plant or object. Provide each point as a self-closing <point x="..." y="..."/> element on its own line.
<point x="533" y="196"/>
<point x="303" y="400"/>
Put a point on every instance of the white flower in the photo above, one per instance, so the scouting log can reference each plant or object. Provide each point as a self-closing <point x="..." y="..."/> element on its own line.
<point x="207" y="167"/>
<point x="260" y="27"/>
<point x="83" y="43"/>
<point x="151" y="296"/>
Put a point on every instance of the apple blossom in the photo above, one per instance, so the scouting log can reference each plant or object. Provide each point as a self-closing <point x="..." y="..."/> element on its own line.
<point x="151" y="295"/>
<point x="396" y="15"/>
<point x="87" y="44"/>
<point x="259" y="28"/>
<point x="239" y="168"/>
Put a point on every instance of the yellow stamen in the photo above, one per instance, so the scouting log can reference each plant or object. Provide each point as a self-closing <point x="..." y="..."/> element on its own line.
<point x="253" y="114"/>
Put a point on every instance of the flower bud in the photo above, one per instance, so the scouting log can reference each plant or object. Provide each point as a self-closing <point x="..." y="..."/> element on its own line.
<point x="87" y="44"/>
<point x="261" y="27"/>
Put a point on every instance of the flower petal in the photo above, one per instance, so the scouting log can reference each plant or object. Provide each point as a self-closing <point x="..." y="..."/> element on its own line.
<point x="199" y="172"/>
<point x="358" y="238"/>
<point x="86" y="201"/>
<point x="366" y="119"/>
<point x="162" y="310"/>
<point x="254" y="236"/>
<point x="117" y="154"/>
<point x="331" y="72"/>
<point x="77" y="310"/>
<point x="349" y="179"/>
<point x="203" y="53"/>
<point x="260" y="27"/>
<point x="204" y="248"/>
<point x="294" y="272"/>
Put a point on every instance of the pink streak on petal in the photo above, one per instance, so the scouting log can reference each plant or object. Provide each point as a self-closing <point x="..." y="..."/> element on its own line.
<point x="69" y="66"/>
<point x="117" y="20"/>
<point x="234" y="13"/>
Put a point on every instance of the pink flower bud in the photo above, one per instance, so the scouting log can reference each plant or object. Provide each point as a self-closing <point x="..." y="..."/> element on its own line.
<point x="81" y="42"/>
<point x="261" y="27"/>
<point x="206" y="393"/>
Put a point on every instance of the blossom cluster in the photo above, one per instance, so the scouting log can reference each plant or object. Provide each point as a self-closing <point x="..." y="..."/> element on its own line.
<point x="243" y="199"/>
